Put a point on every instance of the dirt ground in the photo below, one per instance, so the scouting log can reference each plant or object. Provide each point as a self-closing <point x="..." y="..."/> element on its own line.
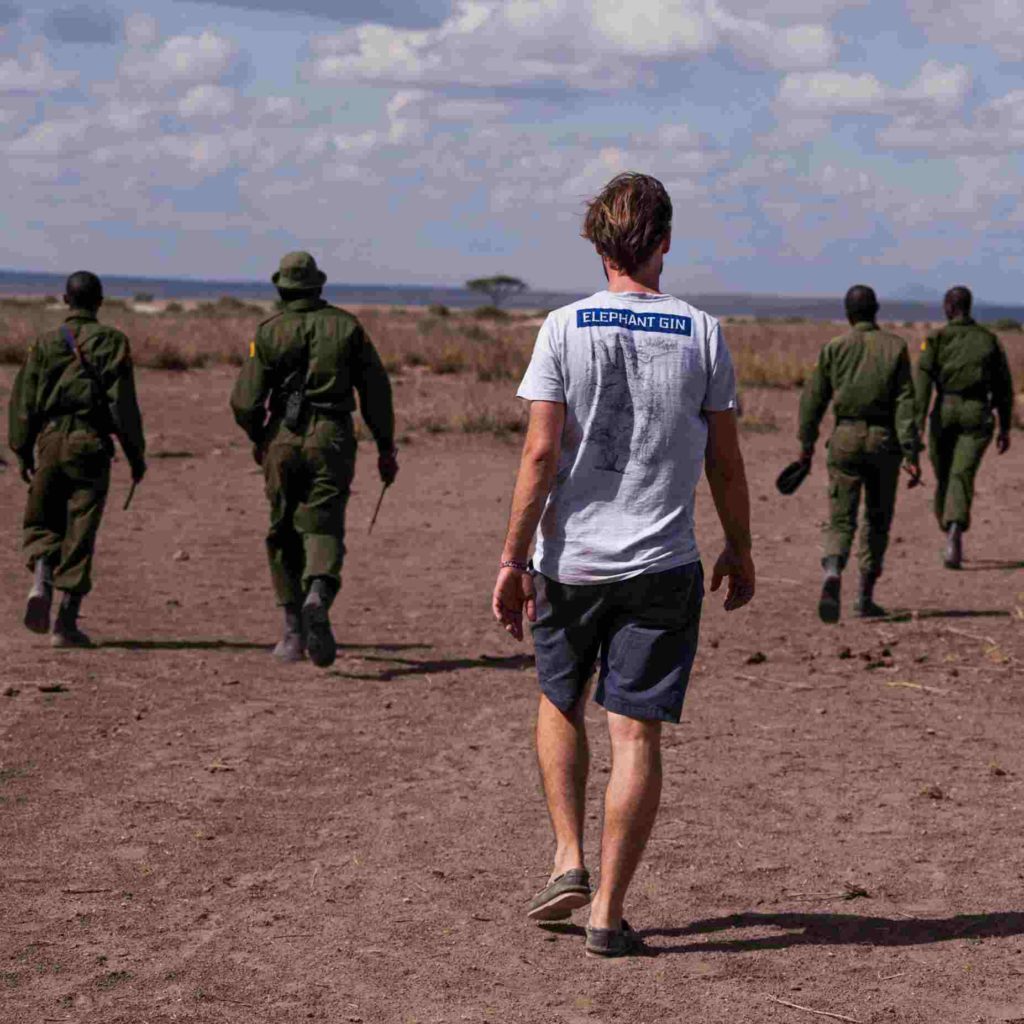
<point x="190" y="832"/>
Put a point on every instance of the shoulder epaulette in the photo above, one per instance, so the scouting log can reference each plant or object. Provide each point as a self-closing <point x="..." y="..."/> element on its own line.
<point x="272" y="318"/>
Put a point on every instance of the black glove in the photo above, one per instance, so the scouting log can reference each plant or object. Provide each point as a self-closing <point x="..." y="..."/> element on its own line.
<point x="387" y="466"/>
<point x="27" y="466"/>
<point x="138" y="468"/>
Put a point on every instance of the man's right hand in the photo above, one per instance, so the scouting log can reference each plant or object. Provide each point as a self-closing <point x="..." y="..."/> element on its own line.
<point x="1003" y="442"/>
<point x="138" y="468"/>
<point x="739" y="569"/>
<point x="387" y="466"/>
<point x="27" y="468"/>
<point x="259" y="453"/>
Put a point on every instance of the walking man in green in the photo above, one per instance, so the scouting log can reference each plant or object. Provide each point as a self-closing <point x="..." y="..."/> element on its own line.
<point x="294" y="398"/>
<point x="967" y="367"/>
<point x="75" y="390"/>
<point x="865" y="374"/>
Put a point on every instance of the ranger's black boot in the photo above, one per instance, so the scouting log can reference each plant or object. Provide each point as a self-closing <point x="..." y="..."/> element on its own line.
<point x="954" y="546"/>
<point x="316" y="622"/>
<point x="40" y="598"/>
<point x="65" y="630"/>
<point x="292" y="645"/>
<point x="828" y="603"/>
<point x="866" y="607"/>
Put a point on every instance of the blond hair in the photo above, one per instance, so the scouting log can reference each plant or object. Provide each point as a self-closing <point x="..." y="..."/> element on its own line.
<point x="628" y="220"/>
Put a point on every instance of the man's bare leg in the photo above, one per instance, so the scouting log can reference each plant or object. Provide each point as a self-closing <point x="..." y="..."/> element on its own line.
<point x="564" y="759"/>
<point x="630" y="807"/>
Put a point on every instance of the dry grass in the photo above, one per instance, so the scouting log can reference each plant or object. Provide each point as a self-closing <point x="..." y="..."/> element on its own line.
<point x="481" y="358"/>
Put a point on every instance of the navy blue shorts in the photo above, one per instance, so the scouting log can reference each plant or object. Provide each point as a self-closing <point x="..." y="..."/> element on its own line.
<point x="643" y="631"/>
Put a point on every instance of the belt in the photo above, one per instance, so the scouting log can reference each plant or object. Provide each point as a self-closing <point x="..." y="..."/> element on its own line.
<point x="871" y="421"/>
<point x="978" y="394"/>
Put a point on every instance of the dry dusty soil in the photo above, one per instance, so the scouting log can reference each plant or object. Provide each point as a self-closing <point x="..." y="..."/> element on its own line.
<point x="189" y="832"/>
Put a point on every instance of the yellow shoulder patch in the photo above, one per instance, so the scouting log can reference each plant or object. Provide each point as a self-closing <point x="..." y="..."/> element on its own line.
<point x="924" y="345"/>
<point x="252" y="349"/>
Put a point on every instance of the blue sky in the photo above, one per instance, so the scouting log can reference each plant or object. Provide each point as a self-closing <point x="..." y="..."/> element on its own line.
<point x="807" y="144"/>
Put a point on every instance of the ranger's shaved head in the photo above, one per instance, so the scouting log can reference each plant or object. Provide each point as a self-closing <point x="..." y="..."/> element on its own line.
<point x="83" y="290"/>
<point x="958" y="302"/>
<point x="861" y="304"/>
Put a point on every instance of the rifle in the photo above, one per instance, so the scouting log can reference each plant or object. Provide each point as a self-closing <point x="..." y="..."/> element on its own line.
<point x="101" y="408"/>
<point x="376" y="511"/>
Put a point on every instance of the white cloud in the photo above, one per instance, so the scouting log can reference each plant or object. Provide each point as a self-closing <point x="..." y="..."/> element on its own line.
<point x="50" y="139"/>
<point x="207" y="101"/>
<point x="33" y="73"/>
<point x="938" y="88"/>
<point x="995" y="23"/>
<point x="582" y="44"/>
<point x="182" y="60"/>
<point x="997" y="127"/>
<point x="141" y="29"/>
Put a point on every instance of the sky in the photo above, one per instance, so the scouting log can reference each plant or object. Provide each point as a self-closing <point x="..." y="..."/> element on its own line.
<point x="806" y="144"/>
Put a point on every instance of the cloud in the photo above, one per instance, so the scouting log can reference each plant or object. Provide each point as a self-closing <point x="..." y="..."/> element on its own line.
<point x="406" y="13"/>
<point x="938" y="88"/>
<point x="995" y="23"/>
<point x="141" y="29"/>
<point x="580" y="44"/>
<point x="33" y="74"/>
<point x="182" y="60"/>
<point x="82" y="24"/>
<point x="9" y="12"/>
<point x="997" y="127"/>
<point x="207" y="101"/>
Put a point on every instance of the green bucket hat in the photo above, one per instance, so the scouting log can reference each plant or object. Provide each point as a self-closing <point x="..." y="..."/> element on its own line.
<point x="298" y="272"/>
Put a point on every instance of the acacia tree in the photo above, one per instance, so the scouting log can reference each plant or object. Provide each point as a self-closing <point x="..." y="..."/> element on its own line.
<point x="497" y="288"/>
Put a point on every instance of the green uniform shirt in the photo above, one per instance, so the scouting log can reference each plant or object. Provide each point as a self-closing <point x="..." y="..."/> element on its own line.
<point x="339" y="359"/>
<point x="865" y="373"/>
<point x="964" y="358"/>
<point x="52" y="386"/>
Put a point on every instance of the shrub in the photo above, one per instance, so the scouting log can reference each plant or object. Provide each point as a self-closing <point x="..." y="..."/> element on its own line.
<point x="1006" y="323"/>
<point x="439" y="310"/>
<point x="143" y="297"/>
<point x="12" y="353"/>
<point x="174" y="308"/>
<point x="490" y="313"/>
<point x="450" y="360"/>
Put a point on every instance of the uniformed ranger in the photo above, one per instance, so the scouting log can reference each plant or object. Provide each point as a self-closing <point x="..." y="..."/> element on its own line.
<point x="967" y="367"/>
<point x="74" y="393"/>
<point x="294" y="398"/>
<point x="866" y="376"/>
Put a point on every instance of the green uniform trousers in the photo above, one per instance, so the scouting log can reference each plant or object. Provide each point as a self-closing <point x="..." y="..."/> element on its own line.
<point x="959" y="432"/>
<point x="861" y="456"/>
<point x="65" y="503"/>
<point x="308" y="480"/>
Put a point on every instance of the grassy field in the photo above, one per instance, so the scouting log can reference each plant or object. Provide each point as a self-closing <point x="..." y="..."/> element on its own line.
<point x="456" y="370"/>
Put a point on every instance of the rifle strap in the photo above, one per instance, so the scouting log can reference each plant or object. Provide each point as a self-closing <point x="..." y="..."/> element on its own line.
<point x="76" y="350"/>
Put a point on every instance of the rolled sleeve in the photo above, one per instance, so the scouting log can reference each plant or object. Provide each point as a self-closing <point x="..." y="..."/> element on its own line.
<point x="544" y="380"/>
<point x="720" y="395"/>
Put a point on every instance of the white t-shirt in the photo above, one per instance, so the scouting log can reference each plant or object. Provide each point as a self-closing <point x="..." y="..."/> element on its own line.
<point x="636" y="372"/>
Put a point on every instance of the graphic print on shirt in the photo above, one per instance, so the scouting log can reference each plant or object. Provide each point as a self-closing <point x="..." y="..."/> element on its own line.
<point x="627" y="422"/>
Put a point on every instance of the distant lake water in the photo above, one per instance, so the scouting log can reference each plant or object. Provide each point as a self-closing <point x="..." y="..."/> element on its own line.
<point x="775" y="306"/>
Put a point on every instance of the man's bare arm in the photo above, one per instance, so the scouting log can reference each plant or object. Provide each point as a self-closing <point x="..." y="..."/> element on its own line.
<point x="723" y="464"/>
<point x="537" y="468"/>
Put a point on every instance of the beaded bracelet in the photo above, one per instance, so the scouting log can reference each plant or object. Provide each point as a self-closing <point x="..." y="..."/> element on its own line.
<point x="514" y="563"/>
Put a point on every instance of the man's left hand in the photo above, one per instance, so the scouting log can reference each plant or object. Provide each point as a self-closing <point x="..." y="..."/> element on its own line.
<point x="27" y="468"/>
<point x="513" y="592"/>
<point x="1003" y="442"/>
<point x="739" y="569"/>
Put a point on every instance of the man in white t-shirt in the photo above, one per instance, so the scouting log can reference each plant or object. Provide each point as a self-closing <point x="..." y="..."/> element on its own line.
<point x="632" y="394"/>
